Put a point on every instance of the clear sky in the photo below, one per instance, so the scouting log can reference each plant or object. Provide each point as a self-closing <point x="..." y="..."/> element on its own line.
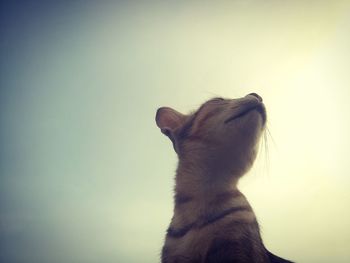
<point x="85" y="174"/>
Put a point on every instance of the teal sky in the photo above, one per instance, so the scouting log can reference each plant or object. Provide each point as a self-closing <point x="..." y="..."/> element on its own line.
<point x="85" y="174"/>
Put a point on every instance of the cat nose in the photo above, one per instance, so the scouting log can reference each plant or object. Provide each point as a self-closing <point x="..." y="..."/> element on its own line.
<point x="256" y="96"/>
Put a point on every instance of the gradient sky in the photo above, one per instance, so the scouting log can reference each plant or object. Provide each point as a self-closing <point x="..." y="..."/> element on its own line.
<point x="85" y="174"/>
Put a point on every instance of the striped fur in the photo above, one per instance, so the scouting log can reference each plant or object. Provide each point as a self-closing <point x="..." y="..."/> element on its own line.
<point x="216" y="145"/>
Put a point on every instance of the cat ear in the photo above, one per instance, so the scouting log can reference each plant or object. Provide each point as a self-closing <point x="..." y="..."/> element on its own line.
<point x="168" y="120"/>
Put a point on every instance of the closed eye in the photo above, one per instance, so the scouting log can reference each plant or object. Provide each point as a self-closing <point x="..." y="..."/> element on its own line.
<point x="218" y="99"/>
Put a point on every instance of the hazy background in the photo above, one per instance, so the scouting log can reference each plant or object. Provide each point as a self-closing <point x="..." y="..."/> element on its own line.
<point x="86" y="176"/>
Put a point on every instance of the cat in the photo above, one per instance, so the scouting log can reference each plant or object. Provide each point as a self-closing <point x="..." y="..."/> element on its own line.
<point x="216" y="145"/>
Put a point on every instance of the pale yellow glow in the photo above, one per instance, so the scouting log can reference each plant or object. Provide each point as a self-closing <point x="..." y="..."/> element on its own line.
<point x="95" y="173"/>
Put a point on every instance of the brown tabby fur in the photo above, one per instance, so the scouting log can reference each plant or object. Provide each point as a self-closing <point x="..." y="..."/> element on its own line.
<point x="216" y="145"/>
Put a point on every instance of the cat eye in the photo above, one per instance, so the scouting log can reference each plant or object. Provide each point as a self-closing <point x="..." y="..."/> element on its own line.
<point x="217" y="100"/>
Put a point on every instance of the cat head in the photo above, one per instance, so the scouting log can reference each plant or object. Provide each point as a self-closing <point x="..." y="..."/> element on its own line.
<point x="222" y="135"/>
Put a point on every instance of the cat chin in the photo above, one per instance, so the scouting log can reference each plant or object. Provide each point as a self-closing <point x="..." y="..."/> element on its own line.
<point x="245" y="135"/>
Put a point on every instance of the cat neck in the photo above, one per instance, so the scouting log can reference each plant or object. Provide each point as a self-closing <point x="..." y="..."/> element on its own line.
<point x="199" y="192"/>
<point x="198" y="179"/>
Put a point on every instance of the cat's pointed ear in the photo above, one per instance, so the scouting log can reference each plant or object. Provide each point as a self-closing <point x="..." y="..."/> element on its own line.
<point x="168" y="120"/>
